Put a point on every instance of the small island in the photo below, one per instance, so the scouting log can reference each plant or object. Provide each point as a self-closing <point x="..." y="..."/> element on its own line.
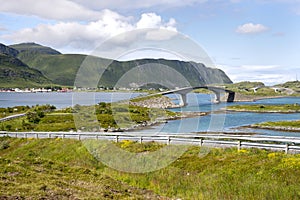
<point x="262" y="108"/>
<point x="293" y="126"/>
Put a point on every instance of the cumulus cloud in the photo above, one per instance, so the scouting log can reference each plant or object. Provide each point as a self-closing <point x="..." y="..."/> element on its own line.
<point x="87" y="35"/>
<point x="136" y="4"/>
<point x="81" y="9"/>
<point x="251" y="28"/>
<point x="268" y="74"/>
<point x="49" y="9"/>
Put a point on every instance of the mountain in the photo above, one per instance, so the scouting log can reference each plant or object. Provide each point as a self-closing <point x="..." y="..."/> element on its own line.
<point x="8" y="51"/>
<point x="62" y="69"/>
<point x="171" y="73"/>
<point x="14" y="73"/>
<point x="33" y="49"/>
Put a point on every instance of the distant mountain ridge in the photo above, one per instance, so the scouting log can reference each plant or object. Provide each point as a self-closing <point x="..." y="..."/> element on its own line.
<point x="61" y="69"/>
<point x="14" y="73"/>
<point x="8" y="51"/>
<point x="34" y="49"/>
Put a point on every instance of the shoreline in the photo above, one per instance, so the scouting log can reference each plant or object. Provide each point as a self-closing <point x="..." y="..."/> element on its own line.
<point x="275" y="128"/>
<point x="256" y="111"/>
<point x="149" y="125"/>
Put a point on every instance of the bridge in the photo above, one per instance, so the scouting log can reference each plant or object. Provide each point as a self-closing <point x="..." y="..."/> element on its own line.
<point x="219" y="91"/>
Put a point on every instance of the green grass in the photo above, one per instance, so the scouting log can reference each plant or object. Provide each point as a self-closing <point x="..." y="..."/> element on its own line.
<point x="56" y="169"/>
<point x="286" y="108"/>
<point x="295" y="85"/>
<point x="108" y="116"/>
<point x="63" y="169"/>
<point x="283" y="124"/>
<point x="14" y="73"/>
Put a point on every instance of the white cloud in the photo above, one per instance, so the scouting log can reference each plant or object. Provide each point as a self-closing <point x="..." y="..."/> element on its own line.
<point x="82" y="9"/>
<point x="268" y="74"/>
<point x="49" y="9"/>
<point x="89" y="35"/>
<point x="251" y="28"/>
<point x="137" y="4"/>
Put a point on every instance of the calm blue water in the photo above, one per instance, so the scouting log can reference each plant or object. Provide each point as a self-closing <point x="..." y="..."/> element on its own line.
<point x="61" y="100"/>
<point x="229" y="121"/>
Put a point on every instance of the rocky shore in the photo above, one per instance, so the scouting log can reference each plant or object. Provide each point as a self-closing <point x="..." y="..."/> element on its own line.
<point x="161" y="102"/>
<point x="155" y="102"/>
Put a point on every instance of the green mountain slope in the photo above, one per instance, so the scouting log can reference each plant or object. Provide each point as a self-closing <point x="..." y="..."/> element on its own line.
<point x="62" y="69"/>
<point x="14" y="73"/>
<point x="33" y="48"/>
<point x="8" y="51"/>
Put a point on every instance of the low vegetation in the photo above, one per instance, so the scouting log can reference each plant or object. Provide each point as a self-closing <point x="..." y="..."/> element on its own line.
<point x="258" y="89"/>
<point x="284" y="108"/>
<point x="64" y="169"/>
<point x="110" y="116"/>
<point x="281" y="125"/>
<point x="295" y="85"/>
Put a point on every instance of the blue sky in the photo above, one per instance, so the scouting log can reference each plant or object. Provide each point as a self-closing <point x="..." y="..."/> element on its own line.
<point x="256" y="40"/>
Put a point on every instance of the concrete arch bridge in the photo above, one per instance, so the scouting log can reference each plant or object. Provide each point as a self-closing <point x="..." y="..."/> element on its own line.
<point x="221" y="94"/>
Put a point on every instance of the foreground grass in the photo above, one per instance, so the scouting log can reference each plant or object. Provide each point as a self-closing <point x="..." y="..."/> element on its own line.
<point x="55" y="168"/>
<point x="285" y="108"/>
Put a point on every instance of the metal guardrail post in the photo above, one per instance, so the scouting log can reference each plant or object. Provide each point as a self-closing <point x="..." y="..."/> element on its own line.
<point x="25" y="135"/>
<point x="169" y="140"/>
<point x="239" y="145"/>
<point x="201" y="142"/>
<point x="63" y="136"/>
<point x="141" y="139"/>
<point x="286" y="148"/>
<point x="79" y="137"/>
<point x="117" y="138"/>
<point x="36" y="135"/>
<point x="49" y="135"/>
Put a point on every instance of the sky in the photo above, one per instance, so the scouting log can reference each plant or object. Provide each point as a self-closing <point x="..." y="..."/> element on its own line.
<point x="253" y="40"/>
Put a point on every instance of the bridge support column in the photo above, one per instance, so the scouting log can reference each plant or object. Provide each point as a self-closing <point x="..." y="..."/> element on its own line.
<point x="231" y="96"/>
<point x="183" y="101"/>
<point x="218" y="97"/>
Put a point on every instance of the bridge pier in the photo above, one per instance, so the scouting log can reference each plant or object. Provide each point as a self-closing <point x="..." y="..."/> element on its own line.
<point x="221" y="94"/>
<point x="217" y="97"/>
<point x="183" y="99"/>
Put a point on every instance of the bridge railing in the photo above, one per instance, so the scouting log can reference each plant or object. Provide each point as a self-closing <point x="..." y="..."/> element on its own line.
<point x="287" y="144"/>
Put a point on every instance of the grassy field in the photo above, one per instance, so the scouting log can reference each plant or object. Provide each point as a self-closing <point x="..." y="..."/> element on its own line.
<point x="285" y="108"/>
<point x="279" y="125"/>
<point x="108" y="116"/>
<point x="64" y="169"/>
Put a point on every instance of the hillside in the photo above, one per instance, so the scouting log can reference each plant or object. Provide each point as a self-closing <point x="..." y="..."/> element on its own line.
<point x="33" y="48"/>
<point x="14" y="73"/>
<point x="295" y="85"/>
<point x="62" y="68"/>
<point x="8" y="51"/>
<point x="64" y="169"/>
